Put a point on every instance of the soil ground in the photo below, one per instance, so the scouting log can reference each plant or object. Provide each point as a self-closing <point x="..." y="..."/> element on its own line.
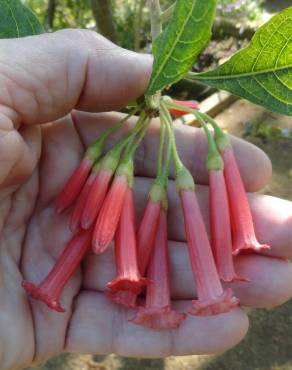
<point x="268" y="345"/>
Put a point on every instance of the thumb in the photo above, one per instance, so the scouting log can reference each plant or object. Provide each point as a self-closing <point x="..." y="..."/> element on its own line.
<point x="42" y="78"/>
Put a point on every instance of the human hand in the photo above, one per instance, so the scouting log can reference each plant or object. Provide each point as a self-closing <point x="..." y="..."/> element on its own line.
<point x="42" y="79"/>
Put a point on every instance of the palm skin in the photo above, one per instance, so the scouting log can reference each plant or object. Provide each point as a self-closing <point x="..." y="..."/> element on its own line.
<point x="42" y="79"/>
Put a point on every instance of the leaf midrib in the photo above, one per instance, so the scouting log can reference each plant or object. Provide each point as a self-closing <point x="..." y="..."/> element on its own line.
<point x="12" y="14"/>
<point x="238" y="75"/>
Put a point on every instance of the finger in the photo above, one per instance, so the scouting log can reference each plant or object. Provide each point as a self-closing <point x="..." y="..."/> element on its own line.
<point x="26" y="163"/>
<point x="45" y="239"/>
<point x="269" y="286"/>
<point x="99" y="326"/>
<point x="273" y="223"/>
<point x="254" y="165"/>
<point x="61" y="153"/>
<point x="43" y="77"/>
<point x="19" y="154"/>
<point x="273" y="228"/>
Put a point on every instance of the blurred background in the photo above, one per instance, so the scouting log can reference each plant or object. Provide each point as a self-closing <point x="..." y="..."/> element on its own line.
<point x="268" y="345"/>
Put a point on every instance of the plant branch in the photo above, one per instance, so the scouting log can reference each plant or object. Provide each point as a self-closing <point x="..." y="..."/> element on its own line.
<point x="161" y="148"/>
<point x="155" y="12"/>
<point x="165" y="114"/>
<point x="138" y="23"/>
<point x="166" y="15"/>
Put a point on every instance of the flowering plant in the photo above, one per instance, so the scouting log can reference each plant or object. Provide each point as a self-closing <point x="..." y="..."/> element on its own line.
<point x="100" y="194"/>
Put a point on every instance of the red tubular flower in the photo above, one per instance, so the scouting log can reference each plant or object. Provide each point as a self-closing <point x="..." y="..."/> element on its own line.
<point x="51" y="287"/>
<point x="128" y="276"/>
<point x="146" y="233"/>
<point x="221" y="228"/>
<point x="74" y="184"/>
<point x="108" y="218"/>
<point x="212" y="299"/>
<point x="243" y="233"/>
<point x="157" y="313"/>
<point x="99" y="188"/>
<point x="95" y="198"/>
<point x="148" y="226"/>
<point x="75" y="221"/>
<point x="188" y="103"/>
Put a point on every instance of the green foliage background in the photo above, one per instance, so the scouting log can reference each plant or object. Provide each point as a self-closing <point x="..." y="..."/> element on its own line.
<point x="78" y="14"/>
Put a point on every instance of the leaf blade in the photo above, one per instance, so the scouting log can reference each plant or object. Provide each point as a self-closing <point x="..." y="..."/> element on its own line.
<point x="262" y="72"/>
<point x="17" y="20"/>
<point x="176" y="48"/>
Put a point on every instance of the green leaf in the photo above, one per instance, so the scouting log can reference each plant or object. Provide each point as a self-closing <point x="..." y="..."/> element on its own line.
<point x="17" y="20"/>
<point x="177" y="47"/>
<point x="262" y="72"/>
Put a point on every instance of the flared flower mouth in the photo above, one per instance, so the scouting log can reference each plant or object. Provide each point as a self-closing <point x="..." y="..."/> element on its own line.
<point x="250" y="247"/>
<point x="126" y="284"/>
<point x="215" y="306"/>
<point x="37" y="293"/>
<point x="158" y="318"/>
<point x="242" y="225"/>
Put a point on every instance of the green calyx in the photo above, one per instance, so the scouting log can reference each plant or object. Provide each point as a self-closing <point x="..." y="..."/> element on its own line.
<point x="112" y="158"/>
<point x="96" y="167"/>
<point x="126" y="168"/>
<point x="214" y="161"/>
<point x="158" y="194"/>
<point x="110" y="162"/>
<point x="184" y="180"/>
<point x="95" y="150"/>
<point x="222" y="141"/>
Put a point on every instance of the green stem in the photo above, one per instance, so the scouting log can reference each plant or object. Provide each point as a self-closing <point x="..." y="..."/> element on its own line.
<point x="152" y="101"/>
<point x="221" y="141"/>
<point x="135" y="130"/>
<point x="162" y="176"/>
<point x="184" y="179"/>
<point x="141" y="136"/>
<point x="118" y="125"/>
<point x="126" y="141"/>
<point x="214" y="124"/>
<point x="167" y="117"/>
<point x="221" y="138"/>
<point x="161" y="147"/>
<point x="133" y="145"/>
<point x="95" y="150"/>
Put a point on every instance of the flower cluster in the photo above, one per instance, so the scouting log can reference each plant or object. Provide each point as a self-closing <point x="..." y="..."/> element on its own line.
<point x="100" y="194"/>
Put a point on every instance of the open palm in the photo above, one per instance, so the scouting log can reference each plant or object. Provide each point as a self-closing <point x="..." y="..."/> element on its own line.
<point x="42" y="79"/>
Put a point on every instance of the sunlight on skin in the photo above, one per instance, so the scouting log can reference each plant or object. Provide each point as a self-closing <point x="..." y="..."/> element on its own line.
<point x="35" y="163"/>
